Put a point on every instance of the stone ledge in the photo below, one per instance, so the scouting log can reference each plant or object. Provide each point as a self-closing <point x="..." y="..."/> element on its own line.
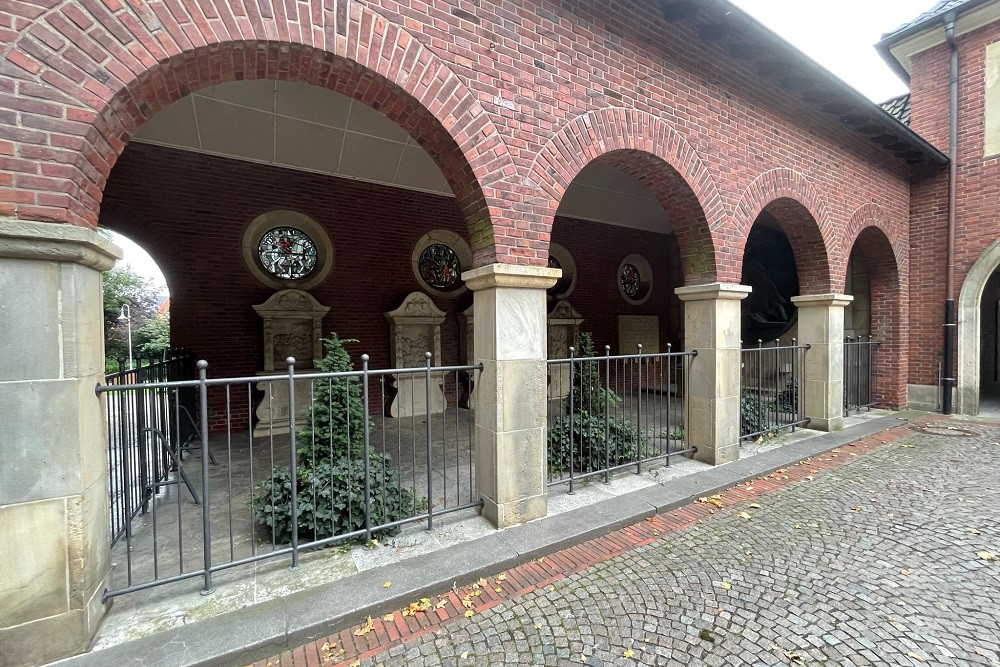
<point x="511" y="275"/>
<point x="822" y="300"/>
<point x="56" y="242"/>
<point x="713" y="291"/>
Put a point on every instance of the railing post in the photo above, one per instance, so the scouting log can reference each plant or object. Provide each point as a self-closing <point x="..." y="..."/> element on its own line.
<point x="607" y="414"/>
<point x="572" y="409"/>
<point x="638" y="417"/>
<point x="430" y="448"/>
<point x="794" y="395"/>
<point x="293" y="462"/>
<point x="367" y="447"/>
<point x="206" y="520"/>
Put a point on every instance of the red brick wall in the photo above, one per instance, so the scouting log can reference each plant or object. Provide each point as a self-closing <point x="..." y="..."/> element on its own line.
<point x="81" y="77"/>
<point x="977" y="194"/>
<point x="189" y="211"/>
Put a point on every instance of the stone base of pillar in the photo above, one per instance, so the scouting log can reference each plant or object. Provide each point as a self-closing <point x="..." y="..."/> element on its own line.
<point x="712" y="323"/>
<point x="510" y="393"/>
<point x="54" y="513"/>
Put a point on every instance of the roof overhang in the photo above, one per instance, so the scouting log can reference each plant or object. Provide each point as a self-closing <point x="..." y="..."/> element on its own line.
<point x="899" y="48"/>
<point x="757" y="47"/>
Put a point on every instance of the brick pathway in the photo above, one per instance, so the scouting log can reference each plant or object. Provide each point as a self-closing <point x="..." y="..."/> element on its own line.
<point x="880" y="552"/>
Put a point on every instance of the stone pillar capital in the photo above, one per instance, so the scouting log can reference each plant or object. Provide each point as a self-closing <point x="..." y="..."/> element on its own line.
<point x="511" y="275"/>
<point x="713" y="291"/>
<point x="822" y="300"/>
<point x="56" y="242"/>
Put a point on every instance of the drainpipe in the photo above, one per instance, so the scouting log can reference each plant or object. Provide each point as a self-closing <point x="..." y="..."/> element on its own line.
<point x="950" y="323"/>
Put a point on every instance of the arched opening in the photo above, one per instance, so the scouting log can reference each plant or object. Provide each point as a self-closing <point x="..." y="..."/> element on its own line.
<point x="136" y="308"/>
<point x="284" y="212"/>
<point x="875" y="314"/>
<point x="976" y="390"/>
<point x="784" y="256"/>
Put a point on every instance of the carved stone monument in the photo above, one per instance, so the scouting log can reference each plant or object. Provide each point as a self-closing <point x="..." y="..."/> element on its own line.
<point x="293" y="327"/>
<point x="564" y="332"/>
<point x="414" y="329"/>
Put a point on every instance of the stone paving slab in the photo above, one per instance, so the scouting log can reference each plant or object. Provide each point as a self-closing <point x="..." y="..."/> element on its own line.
<point x="296" y="618"/>
<point x="866" y="554"/>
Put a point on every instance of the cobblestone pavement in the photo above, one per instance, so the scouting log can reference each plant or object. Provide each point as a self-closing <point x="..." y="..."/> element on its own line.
<point x="885" y="559"/>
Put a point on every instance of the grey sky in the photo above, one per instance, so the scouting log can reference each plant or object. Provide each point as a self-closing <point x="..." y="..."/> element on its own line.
<point x="838" y="34"/>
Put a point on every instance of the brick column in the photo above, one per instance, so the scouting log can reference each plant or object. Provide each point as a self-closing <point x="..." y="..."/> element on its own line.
<point x="712" y="322"/>
<point x="510" y="393"/>
<point x="54" y="515"/>
<point x="821" y="325"/>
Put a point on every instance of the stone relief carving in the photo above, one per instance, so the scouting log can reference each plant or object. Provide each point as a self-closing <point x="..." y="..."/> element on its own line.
<point x="414" y="330"/>
<point x="563" y="332"/>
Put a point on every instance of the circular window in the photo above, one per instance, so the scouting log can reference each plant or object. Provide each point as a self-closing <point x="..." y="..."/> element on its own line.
<point x="438" y="259"/>
<point x="559" y="258"/>
<point x="287" y="250"/>
<point x="635" y="279"/>
<point x="440" y="266"/>
<point x="287" y="253"/>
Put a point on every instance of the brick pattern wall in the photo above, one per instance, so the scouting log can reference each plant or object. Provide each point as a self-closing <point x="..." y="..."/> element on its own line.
<point x="189" y="211"/>
<point x="487" y="88"/>
<point x="977" y="195"/>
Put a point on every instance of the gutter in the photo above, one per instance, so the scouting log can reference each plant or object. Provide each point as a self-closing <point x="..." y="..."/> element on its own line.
<point x="950" y="323"/>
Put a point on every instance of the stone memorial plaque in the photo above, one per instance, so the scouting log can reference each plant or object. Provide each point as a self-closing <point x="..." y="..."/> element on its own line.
<point x="636" y="329"/>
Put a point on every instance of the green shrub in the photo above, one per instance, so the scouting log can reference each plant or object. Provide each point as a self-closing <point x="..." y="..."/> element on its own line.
<point x="597" y="438"/>
<point x="331" y="499"/>
<point x="330" y="467"/>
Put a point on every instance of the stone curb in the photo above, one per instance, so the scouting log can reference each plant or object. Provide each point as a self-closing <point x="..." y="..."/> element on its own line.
<point x="259" y="631"/>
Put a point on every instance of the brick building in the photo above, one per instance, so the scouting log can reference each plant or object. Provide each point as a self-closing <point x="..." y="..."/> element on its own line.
<point x="633" y="159"/>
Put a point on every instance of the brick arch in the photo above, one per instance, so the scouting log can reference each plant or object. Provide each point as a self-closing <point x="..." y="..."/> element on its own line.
<point x="800" y="210"/>
<point x="873" y="245"/>
<point x="87" y="99"/>
<point x="650" y="150"/>
<point x="871" y="214"/>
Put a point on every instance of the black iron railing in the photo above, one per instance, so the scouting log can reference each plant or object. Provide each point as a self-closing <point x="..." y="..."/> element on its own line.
<point x="330" y="464"/>
<point x="142" y="424"/>
<point x="772" y="388"/>
<point x="860" y="367"/>
<point x="612" y="413"/>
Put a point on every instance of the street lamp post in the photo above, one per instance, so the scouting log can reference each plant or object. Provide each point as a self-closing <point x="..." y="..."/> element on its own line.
<point x="126" y="316"/>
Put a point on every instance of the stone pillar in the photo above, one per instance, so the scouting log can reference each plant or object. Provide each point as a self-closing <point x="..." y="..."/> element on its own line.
<point x="712" y="326"/>
<point x="510" y="393"/>
<point x="54" y="515"/>
<point x="821" y="325"/>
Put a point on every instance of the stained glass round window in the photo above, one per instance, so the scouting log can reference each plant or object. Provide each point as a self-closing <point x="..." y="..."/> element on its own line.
<point x="439" y="266"/>
<point x="631" y="281"/>
<point x="287" y="253"/>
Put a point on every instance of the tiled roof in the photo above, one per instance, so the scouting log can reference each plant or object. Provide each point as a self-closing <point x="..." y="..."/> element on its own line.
<point x="941" y="8"/>
<point x="898" y="108"/>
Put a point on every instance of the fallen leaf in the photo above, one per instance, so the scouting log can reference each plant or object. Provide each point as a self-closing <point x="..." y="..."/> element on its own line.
<point x="754" y="506"/>
<point x="988" y="555"/>
<point x="743" y="515"/>
<point x="906" y="572"/>
<point x="389" y="617"/>
<point x="366" y="628"/>
<point x="726" y="585"/>
<point x="976" y="532"/>
<point x="501" y="577"/>
<point x="498" y="590"/>
<point x="465" y="654"/>
<point x="797" y="526"/>
<point x="469" y="613"/>
<point x="538" y="626"/>
<point x="356" y="663"/>
<point x="917" y="656"/>
<point x="809" y="478"/>
<point x="387" y="584"/>
<point x="628" y="653"/>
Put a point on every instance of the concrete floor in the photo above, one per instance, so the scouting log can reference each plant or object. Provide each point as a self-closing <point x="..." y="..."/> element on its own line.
<point x="149" y="611"/>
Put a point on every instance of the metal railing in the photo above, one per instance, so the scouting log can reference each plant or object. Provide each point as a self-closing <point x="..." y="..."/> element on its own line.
<point x="772" y="388"/>
<point x="140" y="426"/>
<point x="331" y="467"/>
<point x="860" y="366"/>
<point x="611" y="413"/>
